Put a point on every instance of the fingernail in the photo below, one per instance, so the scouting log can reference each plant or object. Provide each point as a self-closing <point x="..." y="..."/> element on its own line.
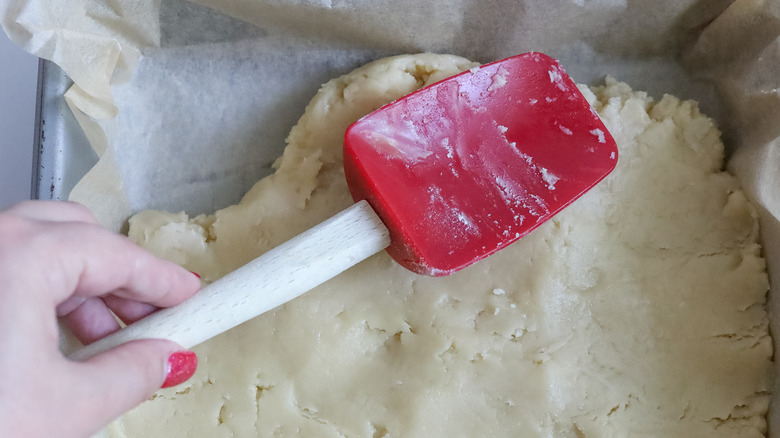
<point x="195" y="274"/>
<point x="180" y="367"/>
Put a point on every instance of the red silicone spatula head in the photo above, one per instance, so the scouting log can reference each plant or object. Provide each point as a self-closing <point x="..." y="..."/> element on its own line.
<point x="466" y="166"/>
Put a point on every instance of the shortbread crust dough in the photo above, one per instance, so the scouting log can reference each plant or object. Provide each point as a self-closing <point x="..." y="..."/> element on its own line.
<point x="637" y="311"/>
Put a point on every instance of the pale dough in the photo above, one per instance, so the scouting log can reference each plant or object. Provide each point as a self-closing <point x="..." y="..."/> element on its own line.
<point x="638" y="311"/>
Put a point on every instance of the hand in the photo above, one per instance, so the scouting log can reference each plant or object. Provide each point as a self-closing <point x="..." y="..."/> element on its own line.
<point x="56" y="261"/>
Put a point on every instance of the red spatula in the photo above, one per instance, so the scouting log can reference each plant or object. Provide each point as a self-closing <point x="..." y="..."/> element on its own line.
<point x="455" y="171"/>
<point x="466" y="166"/>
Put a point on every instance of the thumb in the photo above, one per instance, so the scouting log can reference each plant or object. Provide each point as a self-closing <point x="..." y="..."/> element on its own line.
<point x="118" y="380"/>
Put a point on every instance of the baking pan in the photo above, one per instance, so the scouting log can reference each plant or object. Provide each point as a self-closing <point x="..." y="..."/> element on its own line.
<point x="62" y="153"/>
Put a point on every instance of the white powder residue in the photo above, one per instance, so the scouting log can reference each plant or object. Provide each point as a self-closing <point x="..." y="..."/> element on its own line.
<point x="556" y="77"/>
<point x="465" y="219"/>
<point x="498" y="291"/>
<point x="549" y="178"/>
<point x="532" y="101"/>
<point x="565" y="130"/>
<point x="387" y="139"/>
<point x="515" y="193"/>
<point x="499" y="79"/>
<point x="541" y="204"/>
<point x="445" y="143"/>
<point x="435" y="196"/>
<point x="510" y="189"/>
<point x="528" y="159"/>
<point x="600" y="134"/>
<point x="550" y="99"/>
<point x="444" y="212"/>
<point x="503" y="129"/>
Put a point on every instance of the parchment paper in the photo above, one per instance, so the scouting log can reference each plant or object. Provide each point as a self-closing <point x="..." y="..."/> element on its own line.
<point x="188" y="104"/>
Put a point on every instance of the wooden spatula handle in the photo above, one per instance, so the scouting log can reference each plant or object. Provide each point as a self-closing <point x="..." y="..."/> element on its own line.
<point x="270" y="280"/>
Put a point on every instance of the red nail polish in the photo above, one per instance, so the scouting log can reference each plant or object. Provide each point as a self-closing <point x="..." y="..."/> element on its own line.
<point x="195" y="274"/>
<point x="181" y="366"/>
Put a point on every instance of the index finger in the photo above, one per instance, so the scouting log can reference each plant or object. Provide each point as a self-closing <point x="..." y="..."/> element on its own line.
<point x="88" y="260"/>
<point x="52" y="211"/>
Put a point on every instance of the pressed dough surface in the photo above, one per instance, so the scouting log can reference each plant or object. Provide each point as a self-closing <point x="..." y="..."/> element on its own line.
<point x="638" y="311"/>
